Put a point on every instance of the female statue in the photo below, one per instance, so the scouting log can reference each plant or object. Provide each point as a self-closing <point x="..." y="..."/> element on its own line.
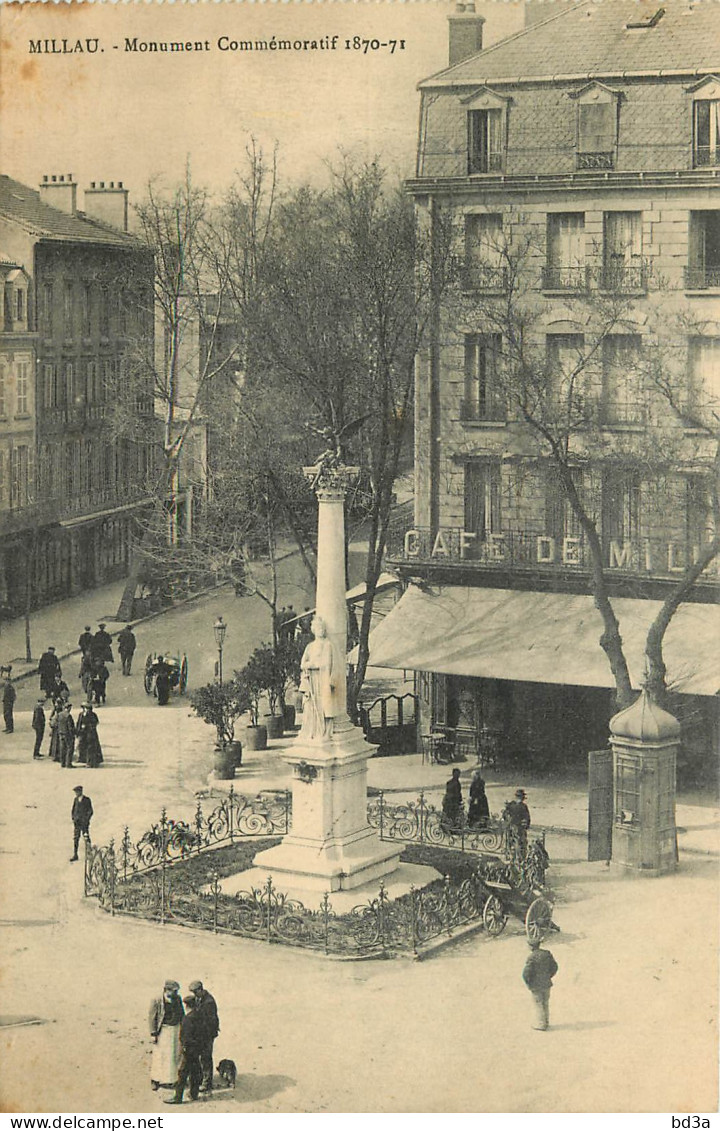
<point x="320" y="678"/>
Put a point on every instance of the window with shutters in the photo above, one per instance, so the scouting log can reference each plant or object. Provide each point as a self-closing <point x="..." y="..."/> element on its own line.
<point x="484" y="398"/>
<point x="23" y="388"/>
<point x="3" y="489"/>
<point x="620" y="505"/>
<point x="47" y="310"/>
<point x="624" y="270"/>
<point x="623" y="397"/>
<point x="49" y="386"/>
<point x="565" y="266"/>
<point x="483" y="514"/>
<point x="485" y="144"/>
<point x="704" y="383"/>
<point x="706" y="123"/>
<point x="703" y="270"/>
<point x="597" y="127"/>
<point x="3" y="406"/>
<point x="567" y="379"/>
<point x="484" y="268"/>
<point x="69" y="310"/>
<point x="19" y="476"/>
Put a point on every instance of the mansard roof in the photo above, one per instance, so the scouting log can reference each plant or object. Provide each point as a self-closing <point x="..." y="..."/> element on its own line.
<point x="590" y="40"/>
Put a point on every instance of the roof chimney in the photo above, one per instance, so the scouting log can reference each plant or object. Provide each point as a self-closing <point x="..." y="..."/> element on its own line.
<point x="59" y="190"/>
<point x="464" y="31"/>
<point x="108" y="203"/>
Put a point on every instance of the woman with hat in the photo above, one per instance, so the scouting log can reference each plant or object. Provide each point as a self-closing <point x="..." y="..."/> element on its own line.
<point x="478" y="809"/>
<point x="165" y="1015"/>
<point x="89" y="749"/>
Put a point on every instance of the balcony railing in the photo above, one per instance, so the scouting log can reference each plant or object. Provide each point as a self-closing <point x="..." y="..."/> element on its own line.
<point x="479" y="278"/>
<point x="542" y="553"/>
<point x="701" y="278"/>
<point x="624" y="278"/>
<point x="565" y="278"/>
<point x="483" y="162"/>
<point x="622" y="412"/>
<point x="705" y="155"/>
<point x="471" y="409"/>
<point x="595" y="160"/>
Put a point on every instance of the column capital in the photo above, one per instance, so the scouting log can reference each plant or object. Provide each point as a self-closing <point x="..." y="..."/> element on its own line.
<point x="331" y="481"/>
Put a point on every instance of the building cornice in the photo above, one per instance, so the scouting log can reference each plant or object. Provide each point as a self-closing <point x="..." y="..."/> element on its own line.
<point x="493" y="81"/>
<point x="543" y="183"/>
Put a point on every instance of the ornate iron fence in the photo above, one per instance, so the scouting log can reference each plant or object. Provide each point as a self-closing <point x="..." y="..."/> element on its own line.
<point x="236" y="818"/>
<point x="416" y="822"/>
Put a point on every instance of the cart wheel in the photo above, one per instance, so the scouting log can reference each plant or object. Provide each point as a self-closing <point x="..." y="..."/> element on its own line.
<point x="183" y="675"/>
<point x="538" y="919"/>
<point x="494" y="918"/>
<point x="148" y="679"/>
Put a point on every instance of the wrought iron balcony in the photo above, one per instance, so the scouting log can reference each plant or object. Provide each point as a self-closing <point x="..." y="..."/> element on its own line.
<point x="595" y="160"/>
<point x="622" y="412"/>
<point x="475" y="277"/>
<point x="565" y="278"/>
<point x="702" y="278"/>
<point x="489" y="410"/>
<point x="624" y="278"/>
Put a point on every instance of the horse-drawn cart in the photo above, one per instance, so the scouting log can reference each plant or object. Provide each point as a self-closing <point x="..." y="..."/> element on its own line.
<point x="519" y="890"/>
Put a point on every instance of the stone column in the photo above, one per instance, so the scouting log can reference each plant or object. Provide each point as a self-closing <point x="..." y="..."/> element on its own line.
<point x="331" y="846"/>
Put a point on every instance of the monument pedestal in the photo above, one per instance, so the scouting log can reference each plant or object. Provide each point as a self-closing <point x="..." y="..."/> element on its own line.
<point x="331" y="847"/>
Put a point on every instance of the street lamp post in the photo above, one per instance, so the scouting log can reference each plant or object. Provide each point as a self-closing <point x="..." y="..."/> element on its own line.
<point x="220" y="628"/>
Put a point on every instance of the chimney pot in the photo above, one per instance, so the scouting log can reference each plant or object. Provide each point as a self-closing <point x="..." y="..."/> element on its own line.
<point x="465" y="32"/>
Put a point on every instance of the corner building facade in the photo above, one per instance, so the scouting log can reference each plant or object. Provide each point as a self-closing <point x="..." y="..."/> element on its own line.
<point x="574" y="170"/>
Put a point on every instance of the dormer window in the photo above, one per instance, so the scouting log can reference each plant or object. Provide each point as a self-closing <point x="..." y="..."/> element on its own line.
<point x="596" y="126"/>
<point x="487" y="127"/>
<point x="16" y="300"/>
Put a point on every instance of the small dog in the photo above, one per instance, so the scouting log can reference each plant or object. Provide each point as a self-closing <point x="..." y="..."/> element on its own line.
<point x="227" y="1072"/>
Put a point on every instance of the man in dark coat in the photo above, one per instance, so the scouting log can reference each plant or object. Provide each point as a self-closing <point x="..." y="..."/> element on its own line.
<point x="9" y="696"/>
<point x="192" y="1029"/>
<point x="48" y="668"/>
<point x="98" y="683"/>
<point x="126" y="646"/>
<point x="60" y="689"/>
<point x="207" y="1010"/>
<point x="102" y="645"/>
<point x="517" y="818"/>
<point x="82" y="812"/>
<point x="86" y="639"/>
<point x="538" y="973"/>
<point x="66" y="736"/>
<point x="161" y="671"/>
<point x="38" y="725"/>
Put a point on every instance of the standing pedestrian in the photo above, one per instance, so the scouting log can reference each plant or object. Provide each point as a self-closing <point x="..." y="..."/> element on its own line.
<point x="207" y="1010"/>
<point x="9" y="697"/>
<point x="86" y="672"/>
<point x="517" y="819"/>
<point x="452" y="801"/>
<point x="88" y="743"/>
<point x="54" y="751"/>
<point x="126" y="647"/>
<point x="479" y="809"/>
<point x="60" y="689"/>
<point x="82" y="812"/>
<point x="161" y="671"/>
<point x="38" y="725"/>
<point x="538" y="973"/>
<point x="86" y="639"/>
<point x="165" y="1015"/>
<point x="66" y="735"/>
<point x="102" y="645"/>
<point x="191" y="1040"/>
<point x="48" y="668"/>
<point x="100" y="676"/>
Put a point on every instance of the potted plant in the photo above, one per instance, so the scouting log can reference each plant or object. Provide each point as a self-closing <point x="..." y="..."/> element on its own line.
<point x="287" y="657"/>
<point x="254" y="736"/>
<point x="220" y="705"/>
<point x="267" y="674"/>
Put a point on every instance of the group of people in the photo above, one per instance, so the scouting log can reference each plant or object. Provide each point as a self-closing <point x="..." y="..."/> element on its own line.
<point x="69" y="738"/>
<point x="452" y="805"/>
<point x="183" y="1031"/>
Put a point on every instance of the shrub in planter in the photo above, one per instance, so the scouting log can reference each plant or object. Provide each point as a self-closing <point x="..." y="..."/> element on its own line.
<point x="220" y="705"/>
<point x="248" y="681"/>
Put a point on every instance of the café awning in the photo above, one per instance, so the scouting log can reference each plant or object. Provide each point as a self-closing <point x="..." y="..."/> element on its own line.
<point x="541" y="638"/>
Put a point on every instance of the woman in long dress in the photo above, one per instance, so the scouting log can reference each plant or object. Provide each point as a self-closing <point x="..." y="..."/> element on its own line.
<point x="89" y="748"/>
<point x="166" y="1013"/>
<point x="318" y="682"/>
<point x="54" y="751"/>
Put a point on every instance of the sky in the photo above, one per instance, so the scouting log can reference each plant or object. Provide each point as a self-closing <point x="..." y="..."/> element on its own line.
<point x="126" y="115"/>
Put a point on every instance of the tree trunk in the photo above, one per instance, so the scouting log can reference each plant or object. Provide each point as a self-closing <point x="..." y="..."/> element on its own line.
<point x="655" y="673"/>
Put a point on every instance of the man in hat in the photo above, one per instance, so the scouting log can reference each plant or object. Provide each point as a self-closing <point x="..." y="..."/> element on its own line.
<point x="86" y="639"/>
<point x="207" y="1010"/>
<point x="82" y="812"/>
<point x="38" y="725"/>
<point x="517" y="818"/>
<point x="101" y="646"/>
<point x="191" y="1041"/>
<point x="126" y="647"/>
<point x="538" y="973"/>
<point x="66" y="736"/>
<point x="9" y="696"/>
<point x="48" y="668"/>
